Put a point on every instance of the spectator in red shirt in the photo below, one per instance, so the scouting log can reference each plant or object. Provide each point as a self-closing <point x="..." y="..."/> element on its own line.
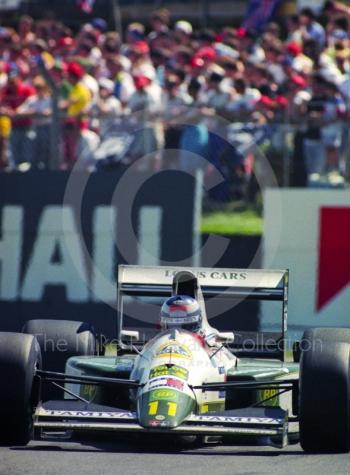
<point x="21" y="138"/>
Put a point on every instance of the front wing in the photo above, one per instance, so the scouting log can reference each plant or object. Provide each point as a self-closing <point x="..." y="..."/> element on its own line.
<point x="76" y="415"/>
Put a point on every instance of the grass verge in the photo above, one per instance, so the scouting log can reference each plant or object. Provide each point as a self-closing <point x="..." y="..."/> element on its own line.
<point x="237" y="221"/>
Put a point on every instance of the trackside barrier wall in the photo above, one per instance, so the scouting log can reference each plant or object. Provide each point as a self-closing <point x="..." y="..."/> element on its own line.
<point x="58" y="256"/>
<point x="312" y="239"/>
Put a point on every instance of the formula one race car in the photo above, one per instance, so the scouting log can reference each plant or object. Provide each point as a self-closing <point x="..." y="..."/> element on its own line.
<point x="174" y="381"/>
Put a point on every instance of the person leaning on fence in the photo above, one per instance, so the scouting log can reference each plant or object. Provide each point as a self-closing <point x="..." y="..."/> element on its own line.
<point x="76" y="105"/>
<point x="20" y="131"/>
<point x="106" y="110"/>
<point x="5" y="122"/>
<point x="144" y="106"/>
<point x="39" y="108"/>
<point x="5" y="131"/>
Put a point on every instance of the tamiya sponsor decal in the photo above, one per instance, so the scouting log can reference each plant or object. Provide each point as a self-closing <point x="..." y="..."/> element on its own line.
<point x="235" y="420"/>
<point x="164" y="370"/>
<point x="175" y="350"/>
<point x="88" y="414"/>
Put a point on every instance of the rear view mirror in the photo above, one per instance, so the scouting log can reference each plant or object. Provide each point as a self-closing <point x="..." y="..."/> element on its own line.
<point x="130" y="334"/>
<point x="226" y="337"/>
<point x="223" y="337"/>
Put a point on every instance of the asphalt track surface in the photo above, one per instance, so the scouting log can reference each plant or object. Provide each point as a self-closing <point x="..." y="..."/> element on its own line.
<point x="126" y="458"/>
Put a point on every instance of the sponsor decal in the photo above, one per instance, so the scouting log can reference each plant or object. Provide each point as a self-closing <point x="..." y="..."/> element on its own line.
<point x="161" y="382"/>
<point x="178" y="308"/>
<point x="154" y="423"/>
<point x="180" y="317"/>
<point x="164" y="370"/>
<point x="270" y="396"/>
<point x="236" y="420"/>
<point x="175" y="350"/>
<point x="164" y="424"/>
<point x="88" y="391"/>
<point x="88" y="414"/>
<point x="157" y="382"/>
<point x="175" y="383"/>
<point x="160" y="417"/>
<point x="160" y="394"/>
<point x="215" y="275"/>
<point x="158" y="423"/>
<point x="334" y="254"/>
<point x="38" y="237"/>
<point x="43" y="268"/>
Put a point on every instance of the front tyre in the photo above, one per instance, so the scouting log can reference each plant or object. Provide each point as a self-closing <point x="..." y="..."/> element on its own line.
<point x="19" y="358"/>
<point x="60" y="340"/>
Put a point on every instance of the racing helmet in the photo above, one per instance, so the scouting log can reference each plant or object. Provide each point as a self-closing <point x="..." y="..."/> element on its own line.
<point x="181" y="311"/>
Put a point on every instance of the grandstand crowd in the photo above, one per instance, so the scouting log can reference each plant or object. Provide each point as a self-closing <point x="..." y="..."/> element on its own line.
<point x="172" y="85"/>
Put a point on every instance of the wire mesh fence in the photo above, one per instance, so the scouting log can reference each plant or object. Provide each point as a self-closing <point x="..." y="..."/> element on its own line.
<point x="298" y="154"/>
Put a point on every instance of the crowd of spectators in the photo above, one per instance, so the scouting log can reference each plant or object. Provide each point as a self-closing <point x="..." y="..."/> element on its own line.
<point x="165" y="74"/>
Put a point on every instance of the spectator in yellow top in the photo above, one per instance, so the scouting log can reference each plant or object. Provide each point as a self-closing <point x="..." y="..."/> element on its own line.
<point x="79" y="96"/>
<point x="76" y="105"/>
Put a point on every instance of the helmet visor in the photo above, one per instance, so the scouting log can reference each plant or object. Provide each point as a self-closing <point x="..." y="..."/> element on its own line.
<point x="187" y="323"/>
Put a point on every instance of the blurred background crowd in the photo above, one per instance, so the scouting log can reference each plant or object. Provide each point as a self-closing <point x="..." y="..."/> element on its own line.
<point x="181" y="96"/>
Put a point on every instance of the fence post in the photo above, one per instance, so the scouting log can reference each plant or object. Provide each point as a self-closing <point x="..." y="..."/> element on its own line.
<point x="117" y="18"/>
<point x="285" y="153"/>
<point x="204" y="13"/>
<point x="55" y="130"/>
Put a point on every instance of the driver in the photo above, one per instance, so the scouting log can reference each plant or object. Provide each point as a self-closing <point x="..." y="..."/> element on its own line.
<point x="184" y="312"/>
<point x="181" y="311"/>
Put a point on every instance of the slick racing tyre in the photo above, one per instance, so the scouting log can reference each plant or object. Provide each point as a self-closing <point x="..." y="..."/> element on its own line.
<point x="60" y="340"/>
<point x="324" y="401"/>
<point x="19" y="358"/>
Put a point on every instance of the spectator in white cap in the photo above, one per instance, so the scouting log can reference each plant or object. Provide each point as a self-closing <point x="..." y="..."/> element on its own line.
<point x="107" y="109"/>
<point x="183" y="32"/>
<point x="214" y="95"/>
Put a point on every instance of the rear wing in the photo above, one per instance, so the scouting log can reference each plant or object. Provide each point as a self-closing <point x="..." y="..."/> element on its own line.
<point x="252" y="284"/>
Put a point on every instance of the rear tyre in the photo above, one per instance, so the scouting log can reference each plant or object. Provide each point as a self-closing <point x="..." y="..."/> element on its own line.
<point x="340" y="335"/>
<point x="19" y="358"/>
<point x="60" y="340"/>
<point x="324" y="402"/>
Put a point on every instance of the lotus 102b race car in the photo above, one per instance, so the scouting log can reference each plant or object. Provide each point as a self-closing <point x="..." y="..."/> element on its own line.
<point x="55" y="381"/>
